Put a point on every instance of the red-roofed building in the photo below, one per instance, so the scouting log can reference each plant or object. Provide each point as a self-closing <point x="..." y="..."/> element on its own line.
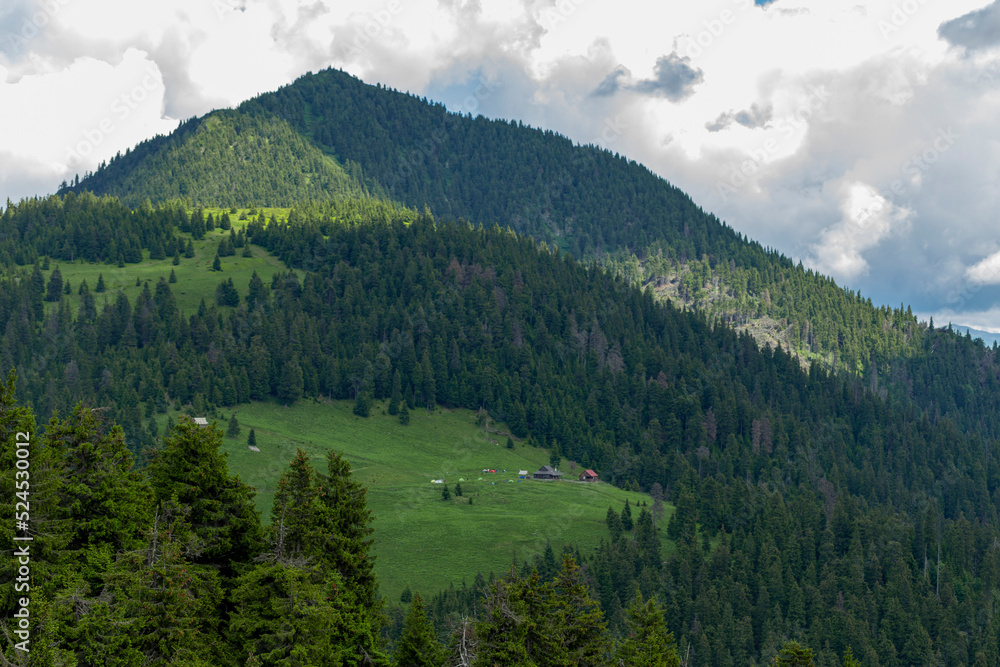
<point x="588" y="476"/>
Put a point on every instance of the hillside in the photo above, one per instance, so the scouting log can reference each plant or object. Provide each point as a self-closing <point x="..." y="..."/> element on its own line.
<point x="597" y="205"/>
<point x="421" y="541"/>
<point x="807" y="502"/>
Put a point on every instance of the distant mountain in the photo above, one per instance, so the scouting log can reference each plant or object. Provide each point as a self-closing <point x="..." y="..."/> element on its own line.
<point x="987" y="337"/>
<point x="329" y="133"/>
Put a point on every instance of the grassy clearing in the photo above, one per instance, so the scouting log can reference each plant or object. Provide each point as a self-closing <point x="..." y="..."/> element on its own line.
<point x="195" y="279"/>
<point x="421" y="540"/>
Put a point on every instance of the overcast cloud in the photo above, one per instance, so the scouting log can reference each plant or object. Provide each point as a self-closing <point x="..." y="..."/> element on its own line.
<point x="859" y="138"/>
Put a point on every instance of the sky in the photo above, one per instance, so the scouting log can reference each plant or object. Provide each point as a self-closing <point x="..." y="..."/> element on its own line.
<point x="861" y="139"/>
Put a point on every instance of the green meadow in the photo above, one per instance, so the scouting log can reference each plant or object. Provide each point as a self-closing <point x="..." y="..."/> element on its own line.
<point x="195" y="279"/>
<point x="422" y="540"/>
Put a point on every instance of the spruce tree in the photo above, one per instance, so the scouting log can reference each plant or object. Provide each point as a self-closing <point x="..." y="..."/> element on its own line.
<point x="177" y="256"/>
<point x="397" y="393"/>
<point x="647" y="641"/>
<point x="793" y="655"/>
<point x="233" y="430"/>
<point x="100" y="283"/>
<point x="404" y="415"/>
<point x="418" y="646"/>
<point x="445" y="492"/>
<point x="55" y="288"/>
<point x="626" y="517"/>
<point x="217" y="263"/>
<point x="252" y="438"/>
<point x="220" y="510"/>
<point x="173" y="277"/>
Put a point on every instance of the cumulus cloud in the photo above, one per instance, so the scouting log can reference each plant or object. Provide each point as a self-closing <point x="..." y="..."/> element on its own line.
<point x="976" y="30"/>
<point x="754" y="117"/>
<point x="673" y="78"/>
<point x="986" y="271"/>
<point x="868" y="218"/>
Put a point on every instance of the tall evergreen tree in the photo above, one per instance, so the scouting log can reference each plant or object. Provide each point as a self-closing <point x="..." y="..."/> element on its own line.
<point x="190" y="470"/>
<point x="647" y="641"/>
<point x="418" y="646"/>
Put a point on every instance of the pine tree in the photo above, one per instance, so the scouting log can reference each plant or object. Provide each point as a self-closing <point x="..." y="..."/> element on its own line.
<point x="445" y="492"/>
<point x="173" y="277"/>
<point x="100" y="283"/>
<point x="397" y="393"/>
<point x="458" y="488"/>
<point x="576" y="625"/>
<point x="55" y="287"/>
<point x="290" y="386"/>
<point x="191" y="470"/>
<point x="418" y="646"/>
<point x="233" y="429"/>
<point x="177" y="256"/>
<point x="626" y="517"/>
<point x="647" y="641"/>
<point x="404" y="415"/>
<point x="258" y="292"/>
<point x="189" y="249"/>
<point x="217" y="263"/>
<point x="793" y="655"/>
<point x="252" y="438"/>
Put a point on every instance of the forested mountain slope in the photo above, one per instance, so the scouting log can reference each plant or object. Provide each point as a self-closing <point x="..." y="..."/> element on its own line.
<point x="810" y="504"/>
<point x="590" y="202"/>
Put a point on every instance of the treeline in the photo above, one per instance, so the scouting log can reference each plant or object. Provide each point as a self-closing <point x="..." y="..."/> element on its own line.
<point x="791" y="472"/>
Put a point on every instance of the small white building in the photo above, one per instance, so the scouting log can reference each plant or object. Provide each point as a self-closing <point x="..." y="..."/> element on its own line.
<point x="201" y="421"/>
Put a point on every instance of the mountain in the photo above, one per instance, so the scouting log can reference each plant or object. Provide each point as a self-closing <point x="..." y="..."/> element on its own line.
<point x="597" y="205"/>
<point x="426" y="261"/>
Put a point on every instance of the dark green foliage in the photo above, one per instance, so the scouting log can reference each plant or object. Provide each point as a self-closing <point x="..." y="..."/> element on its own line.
<point x="189" y="249"/>
<point x="177" y="257"/>
<point x="458" y="488"/>
<point x="445" y="492"/>
<point x="233" y="430"/>
<point x="100" y="283"/>
<point x="510" y="443"/>
<point x="362" y="405"/>
<point x="216" y="263"/>
<point x="173" y="277"/>
<point x="190" y="470"/>
<point x="55" y="288"/>
<point x="647" y="642"/>
<point x="252" y="438"/>
<point x="226" y="294"/>
<point x="290" y="386"/>
<point x="793" y="655"/>
<point x="404" y="414"/>
<point x="626" y="517"/>
<point x="419" y="647"/>
<point x="406" y="596"/>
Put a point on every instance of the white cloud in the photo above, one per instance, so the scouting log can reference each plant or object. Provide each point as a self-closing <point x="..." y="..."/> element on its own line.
<point x="868" y="218"/>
